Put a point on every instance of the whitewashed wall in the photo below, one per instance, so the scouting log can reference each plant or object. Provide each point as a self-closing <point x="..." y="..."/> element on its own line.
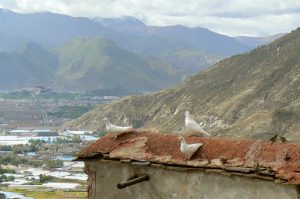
<point x="181" y="184"/>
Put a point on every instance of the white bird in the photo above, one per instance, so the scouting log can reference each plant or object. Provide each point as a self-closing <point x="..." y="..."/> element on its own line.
<point x="192" y="126"/>
<point x="188" y="149"/>
<point x="117" y="130"/>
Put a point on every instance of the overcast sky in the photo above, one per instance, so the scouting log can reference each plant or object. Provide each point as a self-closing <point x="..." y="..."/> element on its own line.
<point x="230" y="17"/>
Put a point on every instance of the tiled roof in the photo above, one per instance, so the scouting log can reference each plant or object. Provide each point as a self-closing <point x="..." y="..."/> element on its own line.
<point x="262" y="159"/>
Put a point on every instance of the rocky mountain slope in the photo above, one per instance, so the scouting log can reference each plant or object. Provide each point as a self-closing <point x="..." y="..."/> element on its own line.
<point x="252" y="95"/>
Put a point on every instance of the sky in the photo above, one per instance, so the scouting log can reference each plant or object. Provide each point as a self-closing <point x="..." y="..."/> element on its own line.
<point x="229" y="17"/>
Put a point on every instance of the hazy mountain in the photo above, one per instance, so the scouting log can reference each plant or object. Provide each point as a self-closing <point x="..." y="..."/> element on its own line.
<point x="89" y="64"/>
<point x="76" y="71"/>
<point x="178" y="53"/>
<point x="49" y="28"/>
<point x="172" y="49"/>
<point x="201" y="38"/>
<point x="186" y="49"/>
<point x="253" y="95"/>
<point x="85" y="65"/>
<point x="56" y="30"/>
<point x="28" y="66"/>
<point x="125" y="21"/>
<point x="9" y="44"/>
<point x="253" y="42"/>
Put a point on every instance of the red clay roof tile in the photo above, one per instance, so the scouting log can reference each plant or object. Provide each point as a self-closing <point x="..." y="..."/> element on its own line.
<point x="281" y="158"/>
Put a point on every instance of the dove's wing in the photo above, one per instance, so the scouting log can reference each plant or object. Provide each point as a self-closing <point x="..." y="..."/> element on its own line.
<point x="119" y="129"/>
<point x="193" y="126"/>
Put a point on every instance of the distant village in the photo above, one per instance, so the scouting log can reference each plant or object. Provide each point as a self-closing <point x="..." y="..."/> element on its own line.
<point x="40" y="159"/>
<point x="36" y="155"/>
<point x="41" y="106"/>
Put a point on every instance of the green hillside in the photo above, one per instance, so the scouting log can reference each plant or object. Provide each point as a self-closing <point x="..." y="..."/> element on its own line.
<point x="253" y="95"/>
<point x="29" y="66"/>
<point x="89" y="64"/>
<point x="85" y="65"/>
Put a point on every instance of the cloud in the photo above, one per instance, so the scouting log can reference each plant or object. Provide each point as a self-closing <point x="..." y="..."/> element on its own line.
<point x="232" y="17"/>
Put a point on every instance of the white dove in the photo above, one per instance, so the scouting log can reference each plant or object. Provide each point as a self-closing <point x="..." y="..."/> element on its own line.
<point x="188" y="149"/>
<point x="192" y="126"/>
<point x="117" y="130"/>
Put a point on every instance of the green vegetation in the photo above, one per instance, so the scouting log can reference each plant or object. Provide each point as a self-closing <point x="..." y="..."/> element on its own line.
<point x="45" y="178"/>
<point x="25" y="148"/>
<point x="21" y="149"/>
<point x="35" y="144"/>
<point x="5" y="148"/>
<point x="54" y="163"/>
<point x="73" y="139"/>
<point x="4" y="178"/>
<point x="2" y="171"/>
<point x="15" y="160"/>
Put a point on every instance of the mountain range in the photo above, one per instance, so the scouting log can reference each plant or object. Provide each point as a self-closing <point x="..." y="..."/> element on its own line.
<point x="201" y="38"/>
<point x="84" y="65"/>
<point x="90" y="54"/>
<point x="89" y="64"/>
<point x="252" y="95"/>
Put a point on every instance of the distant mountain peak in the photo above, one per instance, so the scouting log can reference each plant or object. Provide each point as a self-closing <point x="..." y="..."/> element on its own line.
<point x="124" y="20"/>
<point x="131" y="19"/>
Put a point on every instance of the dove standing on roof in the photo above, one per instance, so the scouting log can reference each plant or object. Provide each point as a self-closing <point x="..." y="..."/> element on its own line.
<point x="117" y="130"/>
<point x="192" y="126"/>
<point x="188" y="149"/>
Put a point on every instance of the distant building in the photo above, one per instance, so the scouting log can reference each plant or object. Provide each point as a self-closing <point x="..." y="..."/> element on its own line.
<point x="150" y="165"/>
<point x="38" y="89"/>
<point x="42" y="90"/>
<point x="45" y="133"/>
<point x="42" y="132"/>
<point x="72" y="132"/>
<point x="20" y="131"/>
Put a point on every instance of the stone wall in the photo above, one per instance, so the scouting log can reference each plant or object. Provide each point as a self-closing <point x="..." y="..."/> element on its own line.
<point x="177" y="183"/>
